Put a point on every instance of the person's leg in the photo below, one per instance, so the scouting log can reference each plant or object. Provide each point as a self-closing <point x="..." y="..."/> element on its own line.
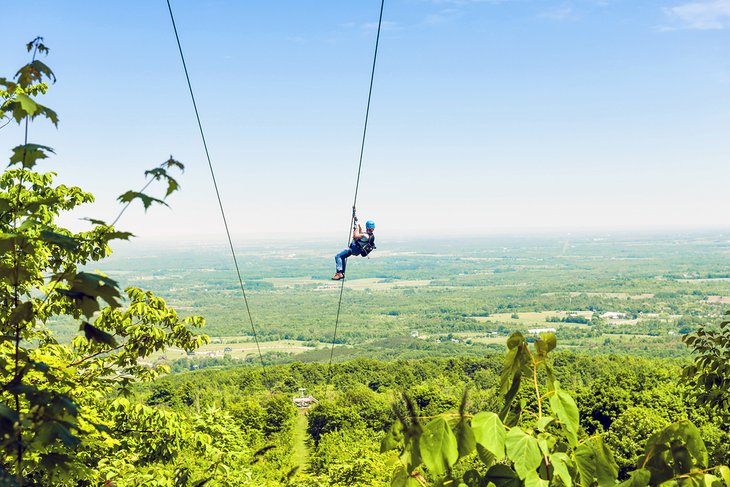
<point x="341" y="260"/>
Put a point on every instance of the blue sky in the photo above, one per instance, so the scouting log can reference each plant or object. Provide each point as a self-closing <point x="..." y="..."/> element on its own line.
<point x="487" y="116"/>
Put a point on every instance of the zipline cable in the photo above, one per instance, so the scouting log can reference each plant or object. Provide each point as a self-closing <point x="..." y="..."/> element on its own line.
<point x="217" y="193"/>
<point x="357" y="183"/>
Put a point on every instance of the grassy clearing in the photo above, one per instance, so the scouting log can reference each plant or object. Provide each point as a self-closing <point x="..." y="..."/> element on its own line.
<point x="239" y="350"/>
<point x="300" y="452"/>
<point x="530" y="318"/>
<point x="615" y="295"/>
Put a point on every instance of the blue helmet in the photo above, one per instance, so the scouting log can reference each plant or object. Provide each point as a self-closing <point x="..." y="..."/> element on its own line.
<point x="370" y="224"/>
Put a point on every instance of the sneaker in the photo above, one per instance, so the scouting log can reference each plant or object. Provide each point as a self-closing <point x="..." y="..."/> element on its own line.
<point x="338" y="276"/>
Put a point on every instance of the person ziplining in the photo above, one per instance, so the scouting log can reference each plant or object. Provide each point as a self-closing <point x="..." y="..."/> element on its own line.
<point x="362" y="244"/>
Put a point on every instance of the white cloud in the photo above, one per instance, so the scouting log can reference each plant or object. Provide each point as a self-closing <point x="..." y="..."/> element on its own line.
<point x="444" y="15"/>
<point x="560" y="14"/>
<point x="706" y="15"/>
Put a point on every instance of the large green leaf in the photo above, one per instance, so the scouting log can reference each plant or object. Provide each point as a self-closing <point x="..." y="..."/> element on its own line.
<point x="63" y="241"/>
<point x="472" y="479"/>
<point x="29" y="154"/>
<point x="595" y="463"/>
<point x="503" y="476"/>
<point x="534" y="480"/>
<point x="411" y="455"/>
<point x="566" y="410"/>
<point x="560" y="461"/>
<point x="21" y="313"/>
<point x="52" y="430"/>
<point x="550" y="340"/>
<point x="637" y="478"/>
<point x="8" y="414"/>
<point x="464" y="437"/>
<point x="725" y="474"/>
<point x="488" y="458"/>
<point x="402" y="478"/>
<point x="27" y="104"/>
<point x="438" y="446"/>
<point x="523" y="450"/>
<point x="93" y="333"/>
<point x="516" y="363"/>
<point x="86" y="288"/>
<point x="393" y="438"/>
<point x="489" y="432"/>
<point x="675" y="450"/>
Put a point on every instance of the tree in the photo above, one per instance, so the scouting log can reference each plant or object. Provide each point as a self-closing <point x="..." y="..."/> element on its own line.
<point x="540" y="448"/>
<point x="57" y="400"/>
<point x="709" y="375"/>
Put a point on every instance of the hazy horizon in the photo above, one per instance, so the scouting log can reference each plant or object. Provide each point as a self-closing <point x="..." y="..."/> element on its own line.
<point x="388" y="243"/>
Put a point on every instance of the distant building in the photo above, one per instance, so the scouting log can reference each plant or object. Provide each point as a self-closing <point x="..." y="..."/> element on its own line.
<point x="614" y="315"/>
<point x="537" y="331"/>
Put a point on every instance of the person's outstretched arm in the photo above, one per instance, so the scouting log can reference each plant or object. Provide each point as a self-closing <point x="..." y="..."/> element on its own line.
<point x="357" y="232"/>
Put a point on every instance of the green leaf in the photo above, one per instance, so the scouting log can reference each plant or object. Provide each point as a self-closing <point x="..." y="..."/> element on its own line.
<point x="637" y="478"/>
<point x="52" y="430"/>
<point x="28" y="154"/>
<point x="8" y="414"/>
<point x="534" y="480"/>
<point x="489" y="432"/>
<point x="725" y="474"/>
<point x="515" y="340"/>
<point x="34" y="72"/>
<point x="438" y="447"/>
<point x="117" y="236"/>
<point x="560" y="461"/>
<point x="411" y="455"/>
<point x="523" y="450"/>
<point x="63" y="241"/>
<point x="566" y="410"/>
<point x="96" y="222"/>
<point x="516" y="363"/>
<point x="550" y="340"/>
<point x="21" y="313"/>
<point x="86" y="288"/>
<point x="173" y="163"/>
<point x="488" y="458"/>
<point x="502" y="476"/>
<point x="147" y="200"/>
<point x="27" y="105"/>
<point x="675" y="450"/>
<point x="393" y="438"/>
<point x="595" y="463"/>
<point x="472" y="478"/>
<point x="402" y="478"/>
<point x="465" y="438"/>
<point x="93" y="333"/>
<point x="7" y="240"/>
<point x="544" y="422"/>
<point x="160" y="173"/>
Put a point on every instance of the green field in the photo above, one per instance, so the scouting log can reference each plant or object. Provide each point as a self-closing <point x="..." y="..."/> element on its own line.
<point x="443" y="297"/>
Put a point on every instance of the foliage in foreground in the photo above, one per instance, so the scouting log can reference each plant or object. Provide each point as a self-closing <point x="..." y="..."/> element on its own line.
<point x="62" y="420"/>
<point x="709" y="374"/>
<point x="547" y="448"/>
